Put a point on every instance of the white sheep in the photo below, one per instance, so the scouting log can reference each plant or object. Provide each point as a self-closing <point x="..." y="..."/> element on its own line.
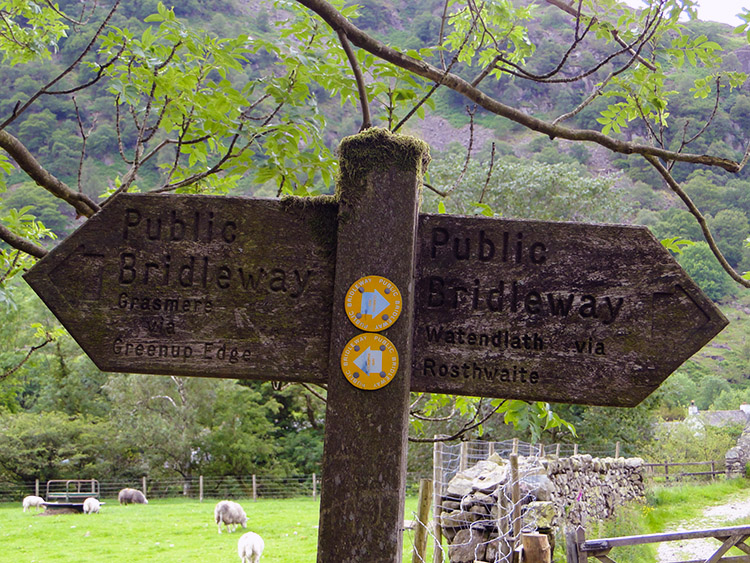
<point x="91" y="506"/>
<point x="128" y="496"/>
<point x="230" y="514"/>
<point x="250" y="547"/>
<point x="36" y="502"/>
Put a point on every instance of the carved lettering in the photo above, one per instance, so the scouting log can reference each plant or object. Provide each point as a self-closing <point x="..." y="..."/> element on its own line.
<point x="480" y="371"/>
<point x="500" y="339"/>
<point x="513" y="297"/>
<point x="170" y="226"/>
<point x="205" y="273"/>
<point x="481" y="247"/>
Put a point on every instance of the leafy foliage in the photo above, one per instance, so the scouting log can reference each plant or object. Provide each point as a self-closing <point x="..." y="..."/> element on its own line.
<point x="701" y="266"/>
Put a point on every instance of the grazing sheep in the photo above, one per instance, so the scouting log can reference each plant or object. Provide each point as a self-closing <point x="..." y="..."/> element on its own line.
<point x="134" y="496"/>
<point x="34" y="501"/>
<point x="230" y="514"/>
<point x="250" y="547"/>
<point x="91" y="506"/>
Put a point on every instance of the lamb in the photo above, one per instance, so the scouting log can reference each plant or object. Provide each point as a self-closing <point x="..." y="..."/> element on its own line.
<point x="230" y="514"/>
<point x="128" y="496"/>
<point x="91" y="506"/>
<point x="250" y="547"/>
<point x="31" y="500"/>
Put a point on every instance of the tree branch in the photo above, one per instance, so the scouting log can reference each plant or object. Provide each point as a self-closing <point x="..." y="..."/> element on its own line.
<point x="20" y="243"/>
<point x="676" y="188"/>
<point x="7" y="373"/>
<point x="568" y="9"/>
<point x="421" y="68"/>
<point x="463" y="430"/>
<point x="360" y="79"/>
<point x="83" y="204"/>
<point x="65" y="72"/>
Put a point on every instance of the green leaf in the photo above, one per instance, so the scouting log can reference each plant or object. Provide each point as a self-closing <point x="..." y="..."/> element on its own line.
<point x="676" y="244"/>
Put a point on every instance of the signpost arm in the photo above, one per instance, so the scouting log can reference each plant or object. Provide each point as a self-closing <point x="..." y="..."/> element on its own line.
<point x="364" y="465"/>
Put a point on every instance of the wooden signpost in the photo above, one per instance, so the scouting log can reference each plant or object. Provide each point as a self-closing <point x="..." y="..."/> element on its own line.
<point x="368" y="296"/>
<point x="561" y="312"/>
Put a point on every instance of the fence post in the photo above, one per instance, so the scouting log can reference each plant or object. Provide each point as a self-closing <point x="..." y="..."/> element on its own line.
<point x="536" y="548"/>
<point x="490" y="449"/>
<point x="200" y="488"/>
<point x="575" y="449"/>
<point x="617" y="449"/>
<point x="515" y="446"/>
<point x="315" y="486"/>
<point x="143" y="482"/>
<point x="36" y="487"/>
<point x="574" y="537"/>
<point x="557" y="450"/>
<point x="515" y="498"/>
<point x="423" y="516"/>
<point x="255" y="489"/>
<point x="437" y="493"/>
<point x="666" y="471"/>
<point x="463" y="462"/>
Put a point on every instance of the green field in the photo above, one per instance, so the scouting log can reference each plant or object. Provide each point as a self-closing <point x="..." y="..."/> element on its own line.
<point x="169" y="530"/>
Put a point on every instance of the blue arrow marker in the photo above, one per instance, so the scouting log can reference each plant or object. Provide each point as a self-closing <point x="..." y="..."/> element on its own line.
<point x="370" y="361"/>
<point x="373" y="303"/>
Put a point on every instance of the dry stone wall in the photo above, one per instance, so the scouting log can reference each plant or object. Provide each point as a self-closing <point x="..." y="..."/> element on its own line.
<point x="477" y="510"/>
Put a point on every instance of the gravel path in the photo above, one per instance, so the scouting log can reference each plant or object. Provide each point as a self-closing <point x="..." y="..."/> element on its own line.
<point x="720" y="516"/>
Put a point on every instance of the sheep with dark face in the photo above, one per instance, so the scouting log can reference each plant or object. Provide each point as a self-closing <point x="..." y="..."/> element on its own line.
<point x="230" y="514"/>
<point x="91" y="506"/>
<point x="131" y="496"/>
<point x="250" y="547"/>
<point x="32" y="501"/>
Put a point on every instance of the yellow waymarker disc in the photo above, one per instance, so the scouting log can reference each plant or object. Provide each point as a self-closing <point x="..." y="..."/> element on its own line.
<point x="373" y="303"/>
<point x="369" y="361"/>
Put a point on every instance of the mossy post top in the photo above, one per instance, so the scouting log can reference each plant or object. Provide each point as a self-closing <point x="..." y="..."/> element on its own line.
<point x="374" y="149"/>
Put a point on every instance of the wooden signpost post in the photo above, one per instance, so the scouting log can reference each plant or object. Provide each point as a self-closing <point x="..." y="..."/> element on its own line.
<point x="364" y="294"/>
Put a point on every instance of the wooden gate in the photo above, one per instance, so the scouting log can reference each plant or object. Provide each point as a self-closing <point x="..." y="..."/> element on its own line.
<point x="579" y="549"/>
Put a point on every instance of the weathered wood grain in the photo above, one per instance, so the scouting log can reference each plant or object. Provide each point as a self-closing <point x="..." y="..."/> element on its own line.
<point x="243" y="288"/>
<point x="564" y="312"/>
<point x="364" y="465"/>
<point x="198" y="285"/>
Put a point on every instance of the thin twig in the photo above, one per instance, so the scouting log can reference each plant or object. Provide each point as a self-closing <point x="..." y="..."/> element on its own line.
<point x="676" y="188"/>
<point x="314" y="392"/>
<point x="66" y="71"/>
<point x="6" y="374"/>
<point x="489" y="173"/>
<point x="84" y="137"/>
<point x="461" y="432"/>
<point x="460" y="177"/>
<point x="360" y="79"/>
<point x="435" y="190"/>
<point x="613" y="32"/>
<point x="13" y="264"/>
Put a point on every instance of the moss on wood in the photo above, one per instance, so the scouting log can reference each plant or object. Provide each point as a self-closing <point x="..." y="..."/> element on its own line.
<point x="376" y="149"/>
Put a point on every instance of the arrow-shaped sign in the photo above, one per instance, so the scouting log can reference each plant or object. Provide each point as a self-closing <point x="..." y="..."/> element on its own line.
<point x="243" y="288"/>
<point x="373" y="303"/>
<point x="563" y="312"/>
<point x="198" y="285"/>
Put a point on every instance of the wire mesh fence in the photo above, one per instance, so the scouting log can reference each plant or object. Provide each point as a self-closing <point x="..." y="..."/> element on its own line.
<point x="485" y="497"/>
<point x="230" y="487"/>
<point x="462" y="521"/>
